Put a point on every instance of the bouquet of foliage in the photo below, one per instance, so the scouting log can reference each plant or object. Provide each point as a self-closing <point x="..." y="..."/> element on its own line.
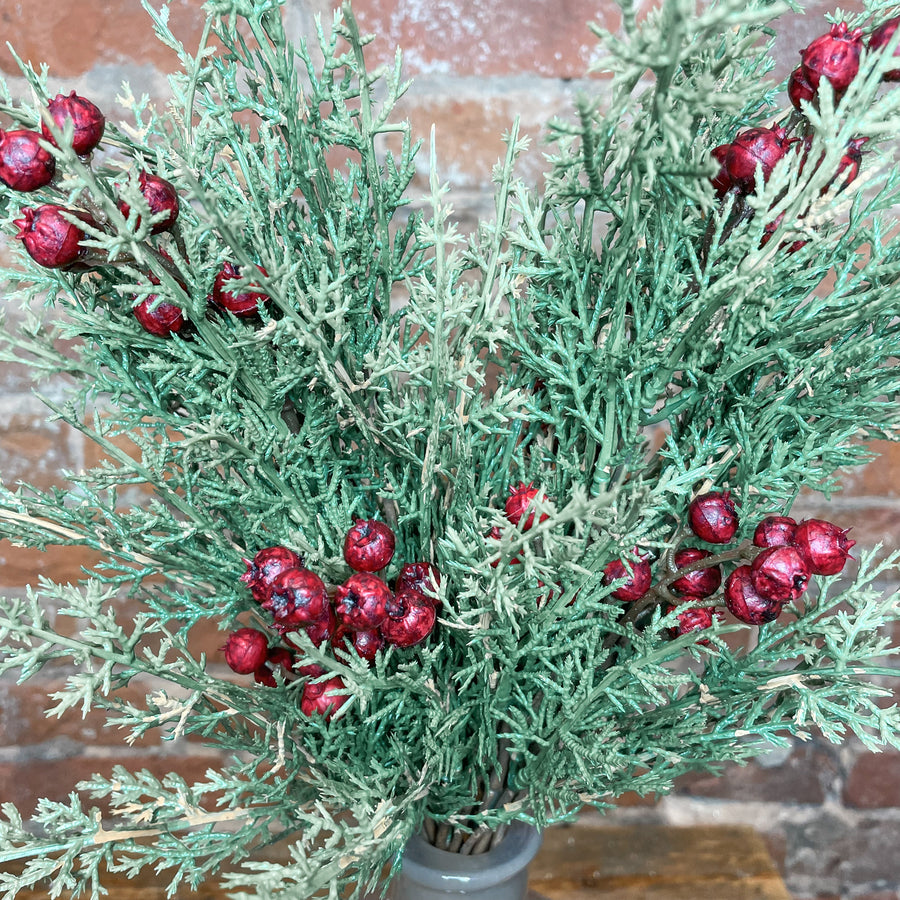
<point x="486" y="520"/>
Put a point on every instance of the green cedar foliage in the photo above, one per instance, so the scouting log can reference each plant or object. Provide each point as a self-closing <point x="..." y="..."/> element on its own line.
<point x="404" y="371"/>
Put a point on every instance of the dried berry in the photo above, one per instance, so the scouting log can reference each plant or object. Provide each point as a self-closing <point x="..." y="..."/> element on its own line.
<point x="24" y="164"/>
<point x="780" y="573"/>
<point x="278" y="656"/>
<point x="743" y="601"/>
<point x="246" y="650"/>
<point x="410" y="618"/>
<point x="824" y="546"/>
<point x="365" y="643"/>
<point x="360" y="603"/>
<point x="833" y="56"/>
<point x="86" y="118"/>
<point x="161" y="197"/>
<point x="693" y="618"/>
<point x="880" y="38"/>
<point x="297" y="598"/>
<point x="752" y="149"/>
<point x="721" y="182"/>
<point x="322" y="631"/>
<point x="424" y="578"/>
<point x="369" y="546"/>
<point x="713" y="517"/>
<point x="521" y="497"/>
<point x="701" y="582"/>
<point x="324" y="698"/>
<point x="265" y="567"/>
<point x="50" y="239"/>
<point x="242" y="302"/>
<point x="775" y="531"/>
<point x="160" y="318"/>
<point x="637" y="578"/>
<point x="799" y="89"/>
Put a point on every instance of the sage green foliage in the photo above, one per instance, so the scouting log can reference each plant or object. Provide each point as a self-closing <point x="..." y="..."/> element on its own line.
<point x="548" y="346"/>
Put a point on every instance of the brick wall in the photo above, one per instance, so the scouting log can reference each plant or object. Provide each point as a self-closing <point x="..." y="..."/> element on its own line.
<point x="831" y="814"/>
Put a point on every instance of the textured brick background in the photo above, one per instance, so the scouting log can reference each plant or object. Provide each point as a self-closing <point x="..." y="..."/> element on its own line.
<point x="831" y="814"/>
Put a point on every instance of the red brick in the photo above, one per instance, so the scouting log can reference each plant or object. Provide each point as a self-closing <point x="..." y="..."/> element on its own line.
<point x="35" y="451"/>
<point x="24" y="783"/>
<point x="880" y="478"/>
<point x="23" y="565"/>
<point x="75" y="36"/>
<point x="874" y="781"/>
<point x="492" y="37"/>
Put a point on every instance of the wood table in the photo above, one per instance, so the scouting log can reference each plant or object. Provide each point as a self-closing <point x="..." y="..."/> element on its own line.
<point x="581" y="862"/>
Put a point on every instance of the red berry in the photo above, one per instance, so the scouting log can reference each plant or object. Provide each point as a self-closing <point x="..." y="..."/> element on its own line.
<point x="700" y="582"/>
<point x="410" y="619"/>
<point x="313" y="670"/>
<point x="780" y="574"/>
<point x="743" y="601"/>
<point x="243" y="302"/>
<point x="693" y="618"/>
<point x="637" y="581"/>
<point x="799" y="89"/>
<point x="422" y="577"/>
<point x="848" y="167"/>
<point x="880" y="38"/>
<point x="265" y="567"/>
<point x="771" y="228"/>
<point x="713" y="517"/>
<point x="161" y="197"/>
<point x="50" y="239"/>
<point x="361" y="601"/>
<point x="322" y="631"/>
<point x="325" y="698"/>
<point x="87" y="119"/>
<point x="278" y="656"/>
<point x="521" y="497"/>
<point x="775" y="531"/>
<point x="161" y="319"/>
<point x="824" y="546"/>
<point x="246" y="650"/>
<point x="722" y="181"/>
<point x="297" y="597"/>
<point x="755" y="147"/>
<point x="833" y="56"/>
<point x="365" y="643"/>
<point x="369" y="546"/>
<point x="24" y="164"/>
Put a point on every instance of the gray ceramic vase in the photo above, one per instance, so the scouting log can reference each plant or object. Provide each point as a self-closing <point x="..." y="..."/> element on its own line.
<point x="501" y="874"/>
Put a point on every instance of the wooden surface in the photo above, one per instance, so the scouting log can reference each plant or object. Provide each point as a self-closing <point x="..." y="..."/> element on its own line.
<point x="598" y="863"/>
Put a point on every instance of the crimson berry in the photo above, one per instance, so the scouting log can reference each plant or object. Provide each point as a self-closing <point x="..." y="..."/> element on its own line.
<point x="780" y="574"/>
<point x="369" y="546"/>
<point x="365" y="643"/>
<point x="771" y="228"/>
<point x="637" y="581"/>
<point x="322" y="631"/>
<point x="701" y="582"/>
<point x="833" y="56"/>
<point x="312" y="670"/>
<point x="24" y="164"/>
<point x="799" y="89"/>
<point x="722" y="181"/>
<point x="50" y="239"/>
<point x="824" y="546"/>
<point x="242" y="302"/>
<point x="848" y="167"/>
<point x="278" y="656"/>
<point x="775" y="531"/>
<point x="755" y="147"/>
<point x="246" y="650"/>
<point x="265" y="567"/>
<point x="880" y="38"/>
<point x="713" y="517"/>
<point x="297" y="597"/>
<point x="161" y="319"/>
<point x="743" y="601"/>
<point x="521" y="497"/>
<point x="693" y="618"/>
<point x="422" y="577"/>
<point x="360" y="602"/>
<point x="324" y="698"/>
<point x="86" y="118"/>
<point x="410" y="619"/>
<point x="161" y="197"/>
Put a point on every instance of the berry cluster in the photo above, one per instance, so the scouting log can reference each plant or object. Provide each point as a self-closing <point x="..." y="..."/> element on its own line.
<point x="832" y="57"/>
<point x="51" y="234"/>
<point x="774" y="570"/>
<point x="361" y="615"/>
